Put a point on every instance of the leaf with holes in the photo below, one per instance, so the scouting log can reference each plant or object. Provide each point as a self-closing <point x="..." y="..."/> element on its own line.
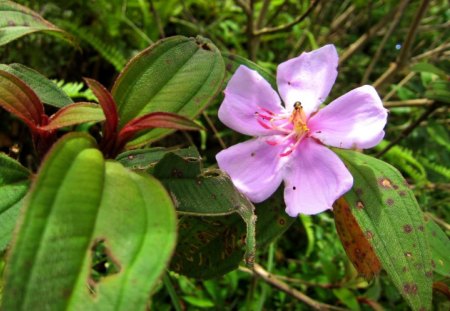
<point x="178" y="75"/>
<point x="82" y="207"/>
<point x="17" y="21"/>
<point x="47" y="90"/>
<point x="14" y="184"/>
<point x="388" y="214"/>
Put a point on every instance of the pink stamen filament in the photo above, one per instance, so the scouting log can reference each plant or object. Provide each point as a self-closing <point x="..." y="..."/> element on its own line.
<point x="296" y="119"/>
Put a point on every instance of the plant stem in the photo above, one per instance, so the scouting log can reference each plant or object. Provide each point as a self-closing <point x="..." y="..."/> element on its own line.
<point x="270" y="279"/>
<point x="419" y="102"/>
<point x="405" y="51"/>
<point x="392" y="27"/>
<point x="299" y="19"/>
<point x="172" y="293"/>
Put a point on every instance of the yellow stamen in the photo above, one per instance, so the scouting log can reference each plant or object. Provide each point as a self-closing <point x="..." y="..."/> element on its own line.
<point x="298" y="119"/>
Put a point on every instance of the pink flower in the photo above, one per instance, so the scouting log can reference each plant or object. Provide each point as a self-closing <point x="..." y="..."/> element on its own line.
<point x="290" y="140"/>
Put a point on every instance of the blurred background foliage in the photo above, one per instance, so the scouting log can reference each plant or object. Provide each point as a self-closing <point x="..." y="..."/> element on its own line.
<point x="400" y="47"/>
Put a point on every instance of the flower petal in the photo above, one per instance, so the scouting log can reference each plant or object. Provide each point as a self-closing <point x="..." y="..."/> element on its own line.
<point x="314" y="178"/>
<point x="354" y="120"/>
<point x="308" y="78"/>
<point x="255" y="167"/>
<point x="246" y="93"/>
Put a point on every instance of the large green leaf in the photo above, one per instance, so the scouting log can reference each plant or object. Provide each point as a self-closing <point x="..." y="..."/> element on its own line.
<point x="14" y="183"/>
<point x="196" y="191"/>
<point x="388" y="214"/>
<point x="179" y="75"/>
<point x="209" y="246"/>
<point x="17" y="21"/>
<point x="47" y="90"/>
<point x="77" y="202"/>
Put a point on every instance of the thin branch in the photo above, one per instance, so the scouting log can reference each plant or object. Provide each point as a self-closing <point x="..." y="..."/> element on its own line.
<point x="389" y="32"/>
<point x="244" y="5"/>
<point x="419" y="102"/>
<point x="270" y="279"/>
<point x="358" y="44"/>
<point x="405" y="80"/>
<point x="299" y="19"/>
<point x="215" y="131"/>
<point x="410" y="128"/>
<point x="277" y="11"/>
<point x="405" y="51"/>
<point x="337" y="22"/>
<point x="429" y="53"/>
<point x="262" y="14"/>
<point x="157" y="20"/>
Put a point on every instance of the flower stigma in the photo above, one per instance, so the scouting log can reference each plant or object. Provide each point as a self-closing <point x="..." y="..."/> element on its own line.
<point x="293" y="126"/>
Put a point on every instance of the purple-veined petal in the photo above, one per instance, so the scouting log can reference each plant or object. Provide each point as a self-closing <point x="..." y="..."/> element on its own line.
<point x="308" y="78"/>
<point x="255" y="167"/>
<point x="354" y="120"/>
<point x="246" y="93"/>
<point x="314" y="178"/>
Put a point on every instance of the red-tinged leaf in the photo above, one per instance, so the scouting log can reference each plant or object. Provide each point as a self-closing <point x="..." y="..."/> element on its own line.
<point x="156" y="120"/>
<point x="20" y="100"/>
<point x="108" y="105"/>
<point x="75" y="114"/>
<point x="355" y="242"/>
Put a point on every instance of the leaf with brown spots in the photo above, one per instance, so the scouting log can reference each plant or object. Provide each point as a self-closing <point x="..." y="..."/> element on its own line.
<point x="382" y="204"/>
<point x="355" y="241"/>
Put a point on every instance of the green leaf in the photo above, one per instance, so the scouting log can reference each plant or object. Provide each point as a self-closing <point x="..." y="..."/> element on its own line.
<point x="17" y="21"/>
<point x="387" y="212"/>
<point x="78" y="202"/>
<point x="14" y="183"/>
<point x="146" y="159"/>
<point x="178" y="75"/>
<point x="439" y="90"/>
<point x="440" y="247"/>
<point x="199" y="302"/>
<point x="19" y="99"/>
<point x="430" y="68"/>
<point x="195" y="191"/>
<point x="73" y="114"/>
<point x="47" y="90"/>
<point x="232" y="63"/>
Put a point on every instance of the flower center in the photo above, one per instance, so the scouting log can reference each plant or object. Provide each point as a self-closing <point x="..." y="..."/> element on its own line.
<point x="293" y="126"/>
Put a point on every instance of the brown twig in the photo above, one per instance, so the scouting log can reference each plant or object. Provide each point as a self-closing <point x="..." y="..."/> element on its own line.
<point x="358" y="44"/>
<point x="405" y="51"/>
<point x="299" y="19"/>
<point x="214" y="129"/>
<point x="410" y="128"/>
<point x="275" y="282"/>
<point x="398" y="14"/>
<point x="419" y="102"/>
<point x="405" y="80"/>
